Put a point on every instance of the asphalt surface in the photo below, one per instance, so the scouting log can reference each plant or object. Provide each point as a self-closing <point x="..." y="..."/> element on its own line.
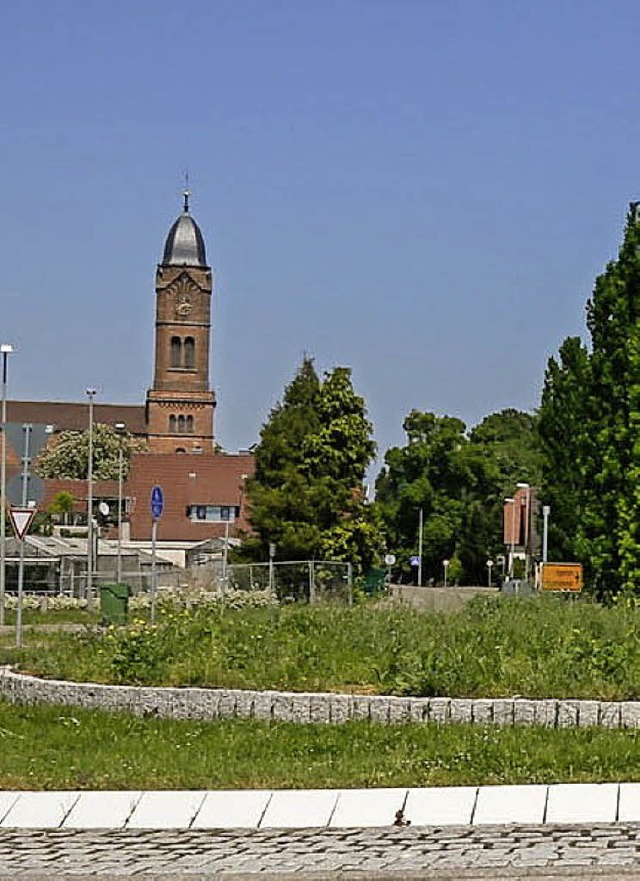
<point x="585" y="851"/>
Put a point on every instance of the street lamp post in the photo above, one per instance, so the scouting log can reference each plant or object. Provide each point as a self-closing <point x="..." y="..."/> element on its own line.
<point x="445" y="564"/>
<point x="512" y="502"/>
<point x="546" y="510"/>
<point x="527" y="517"/>
<point x="120" y="428"/>
<point x="489" y="567"/>
<point x="6" y="349"/>
<point x="91" y="393"/>
<point x="420" y="524"/>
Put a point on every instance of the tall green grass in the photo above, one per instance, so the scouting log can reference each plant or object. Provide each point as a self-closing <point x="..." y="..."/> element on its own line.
<point x="546" y="647"/>
<point x="63" y="748"/>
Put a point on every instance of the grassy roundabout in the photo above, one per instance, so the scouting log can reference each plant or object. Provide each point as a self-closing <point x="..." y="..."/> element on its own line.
<point x="491" y="648"/>
<point x="542" y="648"/>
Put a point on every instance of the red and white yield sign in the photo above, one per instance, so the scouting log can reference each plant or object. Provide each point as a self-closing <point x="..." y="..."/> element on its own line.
<point x="21" y="520"/>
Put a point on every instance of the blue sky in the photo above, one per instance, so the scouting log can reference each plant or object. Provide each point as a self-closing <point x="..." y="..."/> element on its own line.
<point x="423" y="190"/>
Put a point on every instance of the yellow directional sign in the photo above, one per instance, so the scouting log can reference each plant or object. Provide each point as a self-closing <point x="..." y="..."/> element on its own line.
<point x="561" y="576"/>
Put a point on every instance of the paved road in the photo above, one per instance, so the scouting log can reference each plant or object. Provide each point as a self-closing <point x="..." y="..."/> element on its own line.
<point x="612" y="850"/>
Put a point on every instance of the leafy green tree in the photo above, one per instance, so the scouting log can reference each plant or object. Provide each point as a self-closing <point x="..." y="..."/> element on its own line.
<point x="62" y="505"/>
<point x="509" y="441"/>
<point x="459" y="481"/>
<point x="430" y="473"/>
<point x="611" y="522"/>
<point x="67" y="456"/>
<point x="306" y="495"/>
<point x="565" y="446"/>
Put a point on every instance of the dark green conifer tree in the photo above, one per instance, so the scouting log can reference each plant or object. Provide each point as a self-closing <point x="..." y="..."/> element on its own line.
<point x="611" y="525"/>
<point x="307" y="494"/>
<point x="566" y="448"/>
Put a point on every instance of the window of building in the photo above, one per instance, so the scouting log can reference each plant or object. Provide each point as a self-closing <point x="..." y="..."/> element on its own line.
<point x="189" y="425"/>
<point x="213" y="513"/>
<point x="176" y="351"/>
<point x="189" y="353"/>
<point x="181" y="424"/>
<point x="172" y="424"/>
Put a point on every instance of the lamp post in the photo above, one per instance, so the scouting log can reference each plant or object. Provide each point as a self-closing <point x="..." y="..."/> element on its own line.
<point x="120" y="427"/>
<point x="420" y="523"/>
<point x="445" y="564"/>
<point x="546" y="510"/>
<point x="91" y="393"/>
<point x="489" y="567"/>
<point x="527" y="517"/>
<point x="512" y="502"/>
<point x="6" y="349"/>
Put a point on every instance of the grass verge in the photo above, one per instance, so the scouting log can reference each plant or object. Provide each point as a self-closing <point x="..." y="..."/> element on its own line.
<point x="61" y="748"/>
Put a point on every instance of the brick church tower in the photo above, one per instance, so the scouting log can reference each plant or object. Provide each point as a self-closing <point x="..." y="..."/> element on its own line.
<point x="180" y="405"/>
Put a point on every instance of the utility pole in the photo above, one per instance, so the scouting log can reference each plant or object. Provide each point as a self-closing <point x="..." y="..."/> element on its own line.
<point x="420" y="521"/>
<point x="91" y="393"/>
<point x="6" y="349"/>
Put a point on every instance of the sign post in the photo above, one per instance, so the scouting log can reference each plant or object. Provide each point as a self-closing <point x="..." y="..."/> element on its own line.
<point x="24" y="491"/>
<point x="25" y="484"/>
<point x="157" y="505"/>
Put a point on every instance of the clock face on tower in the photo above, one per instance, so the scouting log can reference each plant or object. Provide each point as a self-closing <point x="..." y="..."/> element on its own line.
<point x="183" y="306"/>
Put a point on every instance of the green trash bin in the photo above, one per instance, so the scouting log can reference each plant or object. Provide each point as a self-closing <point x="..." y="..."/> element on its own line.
<point x="114" y="602"/>
<point x="375" y="581"/>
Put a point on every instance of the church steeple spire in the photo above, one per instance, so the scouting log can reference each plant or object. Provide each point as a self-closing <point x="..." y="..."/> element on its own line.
<point x="186" y="193"/>
<point x="180" y="404"/>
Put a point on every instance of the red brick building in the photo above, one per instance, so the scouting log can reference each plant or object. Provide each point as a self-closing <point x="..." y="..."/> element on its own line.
<point x="203" y="489"/>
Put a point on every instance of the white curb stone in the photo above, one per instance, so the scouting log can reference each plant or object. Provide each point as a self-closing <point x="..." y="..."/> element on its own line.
<point x="582" y="803"/>
<point x="441" y="806"/>
<point x="510" y="804"/>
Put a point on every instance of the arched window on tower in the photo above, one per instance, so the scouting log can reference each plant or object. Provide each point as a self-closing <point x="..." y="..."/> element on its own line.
<point x="176" y="351"/>
<point x="172" y="424"/>
<point x="181" y="424"/>
<point x="189" y="353"/>
<point x="189" y="424"/>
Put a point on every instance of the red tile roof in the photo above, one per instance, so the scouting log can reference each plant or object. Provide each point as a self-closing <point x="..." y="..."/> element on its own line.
<point x="74" y="416"/>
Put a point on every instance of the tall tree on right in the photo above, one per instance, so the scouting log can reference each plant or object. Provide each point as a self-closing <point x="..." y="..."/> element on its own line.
<point x="611" y="521"/>
<point x="565" y="444"/>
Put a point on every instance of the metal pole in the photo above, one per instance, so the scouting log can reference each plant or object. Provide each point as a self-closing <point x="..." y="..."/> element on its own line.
<point x="546" y="510"/>
<point x="312" y="584"/>
<point x="525" y="486"/>
<point x="119" y="427"/>
<point x="154" y="569"/>
<point x="445" y="563"/>
<point x="90" y="393"/>
<point x="25" y="482"/>
<point x="489" y="568"/>
<point x="420" y="515"/>
<point x="512" y="552"/>
<point x="350" y="583"/>
<point x="272" y="553"/>
<point x="6" y="350"/>
<point x="225" y="557"/>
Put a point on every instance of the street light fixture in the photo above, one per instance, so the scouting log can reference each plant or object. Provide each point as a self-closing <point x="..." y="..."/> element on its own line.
<point x="445" y="564"/>
<point x="120" y="427"/>
<point x="6" y="349"/>
<point x="511" y="501"/>
<point x="527" y="517"/>
<point x="91" y="393"/>
<point x="489" y="567"/>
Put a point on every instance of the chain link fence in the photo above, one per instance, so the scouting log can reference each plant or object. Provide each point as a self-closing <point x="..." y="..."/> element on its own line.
<point x="310" y="581"/>
<point x="307" y="581"/>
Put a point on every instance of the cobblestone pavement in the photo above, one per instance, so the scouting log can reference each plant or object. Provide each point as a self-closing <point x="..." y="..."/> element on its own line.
<point x="456" y="852"/>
